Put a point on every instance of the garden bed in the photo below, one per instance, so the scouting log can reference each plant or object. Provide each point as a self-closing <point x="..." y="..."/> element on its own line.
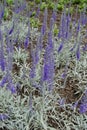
<point x="43" y="60"/>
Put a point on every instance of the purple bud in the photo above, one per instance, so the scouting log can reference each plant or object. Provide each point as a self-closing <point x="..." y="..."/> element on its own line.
<point x="38" y="12"/>
<point x="11" y="30"/>
<point x="54" y="15"/>
<point x="50" y="42"/>
<point x="11" y="87"/>
<point x="4" y="80"/>
<point x="2" y="64"/>
<point x="1" y="12"/>
<point x="85" y="48"/>
<point x="64" y="75"/>
<point x="36" y="56"/>
<point x="73" y="47"/>
<point x="43" y="29"/>
<point x="46" y="72"/>
<point x="19" y="9"/>
<point x="78" y="28"/>
<point x="60" y="47"/>
<point x="73" y="107"/>
<point x="61" y="102"/>
<point x="78" y="53"/>
<point x="83" y="108"/>
<point x="26" y="42"/>
<point x="83" y="105"/>
<point x="32" y="73"/>
<point x="3" y="117"/>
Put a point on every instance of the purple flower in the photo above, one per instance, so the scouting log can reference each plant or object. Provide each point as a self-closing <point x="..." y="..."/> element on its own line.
<point x="1" y="35"/>
<point x="36" y="55"/>
<point x="38" y="12"/>
<point x="49" y="74"/>
<point x="3" y="117"/>
<point x="43" y="28"/>
<point x="73" y="47"/>
<point x="64" y="75"/>
<point x="67" y="28"/>
<point x="4" y="80"/>
<point x="50" y="42"/>
<point x="85" y="48"/>
<point x="73" y="107"/>
<point x="78" y="53"/>
<point x="32" y="72"/>
<point x="26" y="42"/>
<point x="2" y="64"/>
<point x="61" y="102"/>
<point x="83" y="17"/>
<point x="54" y="15"/>
<point x="83" y="108"/>
<point x="11" y="30"/>
<point x="46" y="72"/>
<point x="78" y="28"/>
<point x="11" y="87"/>
<point x="2" y="59"/>
<point x="9" y="42"/>
<point x="19" y="9"/>
<point x="63" y="25"/>
<point x="1" y="12"/>
<point x="60" y="47"/>
<point x="83" y="105"/>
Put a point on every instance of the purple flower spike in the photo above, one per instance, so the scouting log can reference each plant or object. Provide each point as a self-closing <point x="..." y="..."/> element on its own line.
<point x="54" y="15"/>
<point x="46" y="72"/>
<point x="1" y="12"/>
<point x="43" y="29"/>
<point x="2" y="65"/>
<point x="60" y="47"/>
